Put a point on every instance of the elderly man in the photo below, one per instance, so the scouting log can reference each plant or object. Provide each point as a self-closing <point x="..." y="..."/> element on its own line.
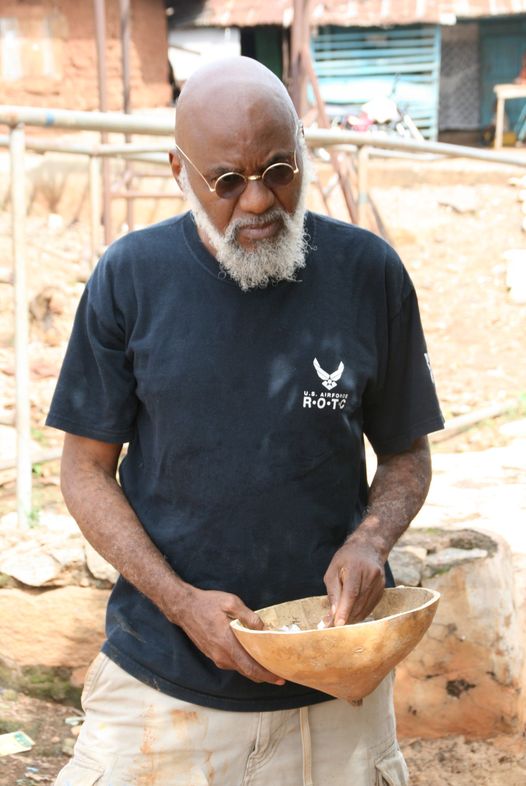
<point x="242" y="349"/>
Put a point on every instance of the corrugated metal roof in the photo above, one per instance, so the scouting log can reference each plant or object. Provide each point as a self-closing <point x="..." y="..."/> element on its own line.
<point x="359" y="13"/>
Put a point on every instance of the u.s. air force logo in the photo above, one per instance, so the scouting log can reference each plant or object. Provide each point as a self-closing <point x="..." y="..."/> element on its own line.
<point x="329" y="380"/>
<point x="321" y="400"/>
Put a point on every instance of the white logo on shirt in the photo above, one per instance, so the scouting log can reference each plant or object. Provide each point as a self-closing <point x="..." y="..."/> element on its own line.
<point x="329" y="380"/>
<point x="326" y="401"/>
<point x="429" y="367"/>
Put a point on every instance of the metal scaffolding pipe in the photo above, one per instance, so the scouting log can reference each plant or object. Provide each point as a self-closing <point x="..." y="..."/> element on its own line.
<point x="22" y="408"/>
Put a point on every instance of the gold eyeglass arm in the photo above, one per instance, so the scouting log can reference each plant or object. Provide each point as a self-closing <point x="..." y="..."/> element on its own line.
<point x="212" y="190"/>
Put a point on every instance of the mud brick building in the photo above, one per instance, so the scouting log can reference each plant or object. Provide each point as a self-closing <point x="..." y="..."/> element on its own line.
<point x="48" y="54"/>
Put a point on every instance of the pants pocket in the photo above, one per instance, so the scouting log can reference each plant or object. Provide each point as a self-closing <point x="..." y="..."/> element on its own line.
<point x="92" y="675"/>
<point x="391" y="769"/>
<point x="75" y="774"/>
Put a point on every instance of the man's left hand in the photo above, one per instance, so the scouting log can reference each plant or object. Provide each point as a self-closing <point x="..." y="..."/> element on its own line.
<point x="355" y="577"/>
<point x="355" y="582"/>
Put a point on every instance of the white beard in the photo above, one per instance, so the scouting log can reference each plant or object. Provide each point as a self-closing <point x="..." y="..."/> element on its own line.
<point x="271" y="259"/>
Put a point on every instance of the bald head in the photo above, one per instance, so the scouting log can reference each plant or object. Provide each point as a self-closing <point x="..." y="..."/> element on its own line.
<point x="235" y="118"/>
<point x="229" y="96"/>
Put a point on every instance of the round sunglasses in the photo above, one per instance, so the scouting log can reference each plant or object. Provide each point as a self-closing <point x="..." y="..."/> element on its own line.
<point x="231" y="185"/>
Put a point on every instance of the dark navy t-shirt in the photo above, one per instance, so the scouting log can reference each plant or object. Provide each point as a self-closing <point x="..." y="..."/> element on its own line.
<point x="245" y="415"/>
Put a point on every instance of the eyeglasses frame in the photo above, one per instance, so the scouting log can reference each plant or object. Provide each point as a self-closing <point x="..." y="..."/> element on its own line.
<point x="295" y="170"/>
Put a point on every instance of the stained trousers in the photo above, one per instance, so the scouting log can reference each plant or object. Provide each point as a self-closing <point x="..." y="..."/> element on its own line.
<point x="134" y="735"/>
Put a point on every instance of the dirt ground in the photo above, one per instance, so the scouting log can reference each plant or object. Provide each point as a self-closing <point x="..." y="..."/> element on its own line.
<point x="450" y="223"/>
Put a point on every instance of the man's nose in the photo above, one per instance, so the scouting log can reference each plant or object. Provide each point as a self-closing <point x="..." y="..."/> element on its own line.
<point x="256" y="198"/>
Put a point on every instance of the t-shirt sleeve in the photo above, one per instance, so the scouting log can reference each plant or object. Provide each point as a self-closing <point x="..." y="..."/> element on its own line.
<point x="95" y="393"/>
<point x="401" y="404"/>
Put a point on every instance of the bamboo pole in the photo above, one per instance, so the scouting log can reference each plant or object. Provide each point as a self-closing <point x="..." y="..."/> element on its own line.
<point x="22" y="408"/>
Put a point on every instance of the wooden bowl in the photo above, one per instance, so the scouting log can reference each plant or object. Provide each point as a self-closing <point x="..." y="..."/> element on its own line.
<point x="347" y="662"/>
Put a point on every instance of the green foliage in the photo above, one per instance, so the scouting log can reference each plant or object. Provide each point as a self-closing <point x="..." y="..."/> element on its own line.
<point x="38" y="435"/>
<point x="34" y="517"/>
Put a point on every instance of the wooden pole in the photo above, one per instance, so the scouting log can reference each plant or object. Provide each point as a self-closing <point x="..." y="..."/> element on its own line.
<point x="363" y="166"/>
<point x="22" y="409"/>
<point x="296" y="43"/>
<point x="94" y="194"/>
<point x="126" y="95"/>
<point x="100" y="34"/>
<point x="499" y="122"/>
<point x="300" y="42"/>
<point x="324" y="122"/>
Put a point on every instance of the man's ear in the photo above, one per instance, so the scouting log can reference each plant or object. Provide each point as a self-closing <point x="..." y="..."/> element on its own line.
<point x="175" y="163"/>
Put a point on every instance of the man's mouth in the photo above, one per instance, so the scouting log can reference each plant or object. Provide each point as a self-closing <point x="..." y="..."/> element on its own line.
<point x="252" y="233"/>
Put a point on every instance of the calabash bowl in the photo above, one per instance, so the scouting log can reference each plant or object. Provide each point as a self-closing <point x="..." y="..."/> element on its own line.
<point x="346" y="662"/>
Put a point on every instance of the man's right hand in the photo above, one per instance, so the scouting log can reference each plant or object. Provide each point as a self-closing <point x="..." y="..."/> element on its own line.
<point x="91" y="490"/>
<point x="206" y="618"/>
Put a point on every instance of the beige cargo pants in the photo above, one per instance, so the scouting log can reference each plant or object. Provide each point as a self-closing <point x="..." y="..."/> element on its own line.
<point x="135" y="736"/>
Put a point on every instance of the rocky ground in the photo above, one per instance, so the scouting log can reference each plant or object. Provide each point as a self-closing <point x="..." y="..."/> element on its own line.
<point x="451" y="224"/>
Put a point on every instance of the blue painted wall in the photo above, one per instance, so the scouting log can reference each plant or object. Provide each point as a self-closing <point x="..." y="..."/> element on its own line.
<point x="355" y="65"/>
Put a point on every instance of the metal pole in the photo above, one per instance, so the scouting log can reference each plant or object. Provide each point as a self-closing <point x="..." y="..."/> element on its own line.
<point x="95" y="208"/>
<point x="100" y="33"/>
<point x="363" y="165"/>
<point x="23" y="423"/>
<point x="126" y="96"/>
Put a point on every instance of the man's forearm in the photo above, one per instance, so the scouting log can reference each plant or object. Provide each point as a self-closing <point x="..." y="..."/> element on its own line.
<point x="397" y="493"/>
<point x="107" y="520"/>
<point x="96" y="501"/>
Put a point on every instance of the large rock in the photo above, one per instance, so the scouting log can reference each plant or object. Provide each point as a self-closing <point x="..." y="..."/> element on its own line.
<point x="53" y="553"/>
<point x="50" y="637"/>
<point x="465" y="677"/>
<point x="98" y="566"/>
<point x="408" y="564"/>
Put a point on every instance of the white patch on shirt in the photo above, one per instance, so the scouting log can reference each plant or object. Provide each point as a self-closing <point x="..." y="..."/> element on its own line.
<point x="329" y="381"/>
<point x="327" y="401"/>
<point x="429" y="367"/>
